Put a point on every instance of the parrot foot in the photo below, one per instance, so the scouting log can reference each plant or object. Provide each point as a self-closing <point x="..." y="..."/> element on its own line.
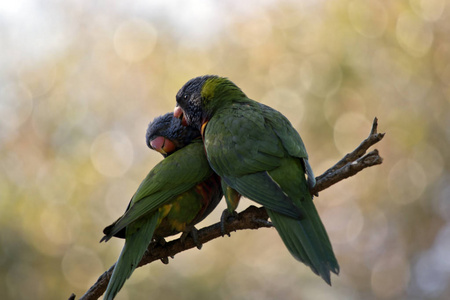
<point x="160" y="241"/>
<point x="226" y="216"/>
<point x="193" y="233"/>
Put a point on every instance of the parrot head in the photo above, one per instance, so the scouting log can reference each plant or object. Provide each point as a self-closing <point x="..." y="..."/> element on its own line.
<point x="200" y="97"/>
<point x="166" y="134"/>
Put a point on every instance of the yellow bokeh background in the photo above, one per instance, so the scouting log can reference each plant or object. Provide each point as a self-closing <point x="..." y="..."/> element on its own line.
<point x="80" y="80"/>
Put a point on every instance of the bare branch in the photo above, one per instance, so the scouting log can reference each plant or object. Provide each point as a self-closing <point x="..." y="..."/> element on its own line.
<point x="371" y="140"/>
<point x="352" y="162"/>
<point x="254" y="217"/>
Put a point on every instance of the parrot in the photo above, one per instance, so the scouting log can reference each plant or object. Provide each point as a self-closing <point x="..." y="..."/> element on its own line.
<point x="179" y="192"/>
<point x="258" y="154"/>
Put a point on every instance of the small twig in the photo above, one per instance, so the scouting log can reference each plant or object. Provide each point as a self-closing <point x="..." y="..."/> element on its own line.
<point x="352" y="162"/>
<point x="371" y="140"/>
<point x="254" y="217"/>
<point x="326" y="180"/>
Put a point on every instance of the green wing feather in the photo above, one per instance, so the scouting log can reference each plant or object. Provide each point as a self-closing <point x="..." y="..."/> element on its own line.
<point x="289" y="137"/>
<point x="261" y="188"/>
<point x="169" y="178"/>
<point x="242" y="149"/>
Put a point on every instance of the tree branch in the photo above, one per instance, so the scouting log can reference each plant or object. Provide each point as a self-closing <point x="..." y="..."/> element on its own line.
<point x="254" y="217"/>
<point x="352" y="162"/>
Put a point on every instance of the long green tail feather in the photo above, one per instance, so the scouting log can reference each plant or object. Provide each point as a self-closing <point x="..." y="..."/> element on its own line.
<point x="135" y="245"/>
<point x="321" y="231"/>
<point x="306" y="242"/>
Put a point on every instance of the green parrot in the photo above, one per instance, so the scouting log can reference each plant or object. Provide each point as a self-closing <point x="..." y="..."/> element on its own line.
<point x="256" y="152"/>
<point x="179" y="192"/>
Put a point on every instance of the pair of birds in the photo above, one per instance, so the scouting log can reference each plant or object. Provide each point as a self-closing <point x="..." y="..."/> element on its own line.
<point x="219" y="142"/>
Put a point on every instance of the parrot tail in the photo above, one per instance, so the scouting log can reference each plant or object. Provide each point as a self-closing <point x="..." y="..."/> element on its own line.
<point x="135" y="246"/>
<point x="307" y="241"/>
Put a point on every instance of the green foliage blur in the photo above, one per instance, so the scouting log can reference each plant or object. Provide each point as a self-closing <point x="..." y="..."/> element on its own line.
<point x="80" y="80"/>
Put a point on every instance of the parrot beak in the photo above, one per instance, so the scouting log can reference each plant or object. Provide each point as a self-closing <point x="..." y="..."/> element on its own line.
<point x="179" y="114"/>
<point x="162" y="145"/>
<point x="202" y="130"/>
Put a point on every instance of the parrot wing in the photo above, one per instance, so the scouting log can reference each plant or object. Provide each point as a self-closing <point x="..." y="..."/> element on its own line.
<point x="289" y="137"/>
<point x="174" y="175"/>
<point x="242" y="149"/>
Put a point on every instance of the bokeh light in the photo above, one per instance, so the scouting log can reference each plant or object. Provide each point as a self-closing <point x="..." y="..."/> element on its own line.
<point x="369" y="18"/>
<point x="15" y="108"/>
<point x="134" y="40"/>
<point x="80" y="80"/>
<point x="413" y="34"/>
<point x="112" y="153"/>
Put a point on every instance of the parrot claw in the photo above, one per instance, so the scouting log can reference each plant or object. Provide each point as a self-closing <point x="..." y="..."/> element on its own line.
<point x="165" y="260"/>
<point x="193" y="232"/>
<point x="263" y="222"/>
<point x="226" y="216"/>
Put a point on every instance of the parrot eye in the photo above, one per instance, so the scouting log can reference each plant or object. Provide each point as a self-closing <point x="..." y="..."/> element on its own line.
<point x="185" y="97"/>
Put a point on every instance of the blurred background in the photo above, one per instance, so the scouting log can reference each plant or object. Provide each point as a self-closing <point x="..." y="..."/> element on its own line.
<point x="80" y="80"/>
